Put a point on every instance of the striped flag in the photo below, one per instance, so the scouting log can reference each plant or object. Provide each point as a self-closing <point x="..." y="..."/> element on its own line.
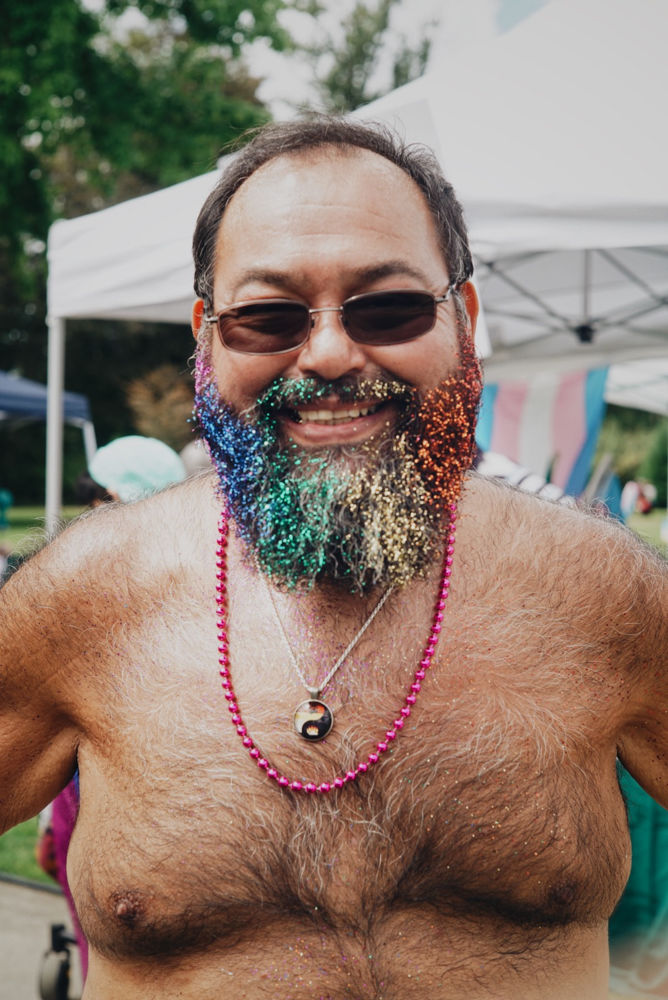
<point x="550" y="424"/>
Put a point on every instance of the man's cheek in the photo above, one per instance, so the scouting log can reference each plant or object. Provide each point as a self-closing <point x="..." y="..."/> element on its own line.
<point x="244" y="379"/>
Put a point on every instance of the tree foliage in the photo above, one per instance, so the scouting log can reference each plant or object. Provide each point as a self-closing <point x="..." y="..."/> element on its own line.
<point x="626" y="437"/>
<point x="161" y="403"/>
<point x="227" y="23"/>
<point x="346" y="66"/>
<point x="91" y="115"/>
<point x="654" y="467"/>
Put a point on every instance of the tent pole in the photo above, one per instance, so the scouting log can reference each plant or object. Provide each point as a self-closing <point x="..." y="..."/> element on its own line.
<point x="586" y="286"/>
<point x="54" y="421"/>
<point x="89" y="440"/>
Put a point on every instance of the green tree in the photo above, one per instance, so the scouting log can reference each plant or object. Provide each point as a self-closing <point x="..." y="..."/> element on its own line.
<point x="89" y="117"/>
<point x="230" y="24"/>
<point x="654" y="467"/>
<point x="45" y="60"/>
<point x="346" y="66"/>
<point x="625" y="436"/>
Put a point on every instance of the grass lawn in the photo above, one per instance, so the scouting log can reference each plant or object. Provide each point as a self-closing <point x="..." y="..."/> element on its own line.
<point x="648" y="526"/>
<point x="17" y="853"/>
<point x="26" y="527"/>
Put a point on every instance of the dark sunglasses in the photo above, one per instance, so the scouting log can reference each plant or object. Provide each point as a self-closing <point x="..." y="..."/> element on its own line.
<point x="379" y="319"/>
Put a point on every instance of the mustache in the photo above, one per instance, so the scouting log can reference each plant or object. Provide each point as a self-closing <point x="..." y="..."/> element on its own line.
<point x="285" y="393"/>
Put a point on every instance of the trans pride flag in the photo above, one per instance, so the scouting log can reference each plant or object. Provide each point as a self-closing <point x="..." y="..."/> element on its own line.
<point x="549" y="425"/>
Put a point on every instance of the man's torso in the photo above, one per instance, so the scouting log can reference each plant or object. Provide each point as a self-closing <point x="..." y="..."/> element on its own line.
<point x="480" y="857"/>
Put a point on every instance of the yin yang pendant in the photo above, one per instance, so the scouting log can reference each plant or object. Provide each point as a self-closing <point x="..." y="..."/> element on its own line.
<point x="313" y="720"/>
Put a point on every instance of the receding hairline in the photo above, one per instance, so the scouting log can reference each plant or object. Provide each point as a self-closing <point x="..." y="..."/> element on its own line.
<point x="322" y="153"/>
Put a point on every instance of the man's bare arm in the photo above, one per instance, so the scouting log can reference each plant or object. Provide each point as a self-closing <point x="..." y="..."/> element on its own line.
<point x="61" y="617"/>
<point x="37" y="739"/>
<point x="609" y="592"/>
<point x="643" y="628"/>
<point x="51" y="613"/>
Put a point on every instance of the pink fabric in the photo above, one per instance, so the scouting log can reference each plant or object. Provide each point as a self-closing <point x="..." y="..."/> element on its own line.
<point x="63" y="817"/>
<point x="569" y="425"/>
<point x="510" y="402"/>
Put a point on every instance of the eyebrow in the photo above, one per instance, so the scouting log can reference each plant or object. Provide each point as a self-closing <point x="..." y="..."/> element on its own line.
<point x="361" y="275"/>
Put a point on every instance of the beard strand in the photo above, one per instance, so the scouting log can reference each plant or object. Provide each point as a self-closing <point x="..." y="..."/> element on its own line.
<point x="359" y="516"/>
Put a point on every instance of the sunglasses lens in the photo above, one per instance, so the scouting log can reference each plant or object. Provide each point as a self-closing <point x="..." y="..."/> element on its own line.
<point x="383" y="318"/>
<point x="271" y="326"/>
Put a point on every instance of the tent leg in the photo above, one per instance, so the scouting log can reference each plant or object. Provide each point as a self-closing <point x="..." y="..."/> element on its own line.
<point x="89" y="440"/>
<point x="54" y="422"/>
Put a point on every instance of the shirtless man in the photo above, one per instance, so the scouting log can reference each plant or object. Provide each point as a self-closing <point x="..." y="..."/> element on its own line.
<point x="459" y="831"/>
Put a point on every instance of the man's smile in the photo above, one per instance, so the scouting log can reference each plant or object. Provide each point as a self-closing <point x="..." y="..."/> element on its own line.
<point x="336" y="416"/>
<point x="331" y="421"/>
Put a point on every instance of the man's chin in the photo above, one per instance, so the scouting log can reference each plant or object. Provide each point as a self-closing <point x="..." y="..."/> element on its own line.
<point x="343" y="514"/>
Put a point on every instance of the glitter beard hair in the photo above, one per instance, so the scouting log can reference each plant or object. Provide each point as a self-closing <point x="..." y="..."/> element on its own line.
<point x="361" y="516"/>
<point x="445" y="440"/>
<point x="355" y="515"/>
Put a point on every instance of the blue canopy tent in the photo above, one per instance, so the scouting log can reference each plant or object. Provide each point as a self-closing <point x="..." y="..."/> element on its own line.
<point x="21" y="400"/>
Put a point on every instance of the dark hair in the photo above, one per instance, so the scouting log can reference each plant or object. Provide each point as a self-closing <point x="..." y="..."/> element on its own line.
<point x="88" y="491"/>
<point x="318" y="131"/>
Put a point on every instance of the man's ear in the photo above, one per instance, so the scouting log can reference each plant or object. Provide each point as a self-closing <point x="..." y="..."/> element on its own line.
<point x="471" y="305"/>
<point x="197" y="317"/>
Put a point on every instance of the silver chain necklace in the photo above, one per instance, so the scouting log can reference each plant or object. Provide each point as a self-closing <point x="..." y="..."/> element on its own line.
<point x="313" y="719"/>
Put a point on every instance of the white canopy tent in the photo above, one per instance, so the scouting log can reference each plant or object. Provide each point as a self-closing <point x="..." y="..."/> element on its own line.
<point x="553" y="138"/>
<point x="642" y="385"/>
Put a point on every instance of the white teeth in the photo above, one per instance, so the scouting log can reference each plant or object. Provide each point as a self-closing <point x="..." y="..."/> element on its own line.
<point x="328" y="417"/>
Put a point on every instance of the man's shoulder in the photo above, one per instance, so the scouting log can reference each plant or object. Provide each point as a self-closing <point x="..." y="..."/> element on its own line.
<point x="498" y="498"/>
<point x="116" y="564"/>
<point x="128" y="539"/>
<point x="501" y="510"/>
<point x="569" y="550"/>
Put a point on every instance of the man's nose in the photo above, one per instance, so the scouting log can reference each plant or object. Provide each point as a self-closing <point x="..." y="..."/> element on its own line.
<point x="329" y="351"/>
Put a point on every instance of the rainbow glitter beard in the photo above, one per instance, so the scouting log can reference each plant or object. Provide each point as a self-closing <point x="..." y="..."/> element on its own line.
<point x="360" y="522"/>
<point x="445" y="445"/>
<point x="368" y="515"/>
<point x="359" y="517"/>
<point x="286" y="393"/>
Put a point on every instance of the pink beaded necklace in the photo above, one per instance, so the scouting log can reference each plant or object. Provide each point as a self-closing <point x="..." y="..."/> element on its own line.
<point x="390" y="735"/>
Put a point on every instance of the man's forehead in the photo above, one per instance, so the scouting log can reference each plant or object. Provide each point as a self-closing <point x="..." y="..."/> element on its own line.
<point x="314" y="224"/>
<point x="312" y="165"/>
<point x="346" y="203"/>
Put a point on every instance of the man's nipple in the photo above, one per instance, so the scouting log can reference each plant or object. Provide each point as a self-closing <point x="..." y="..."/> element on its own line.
<point x="128" y="906"/>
